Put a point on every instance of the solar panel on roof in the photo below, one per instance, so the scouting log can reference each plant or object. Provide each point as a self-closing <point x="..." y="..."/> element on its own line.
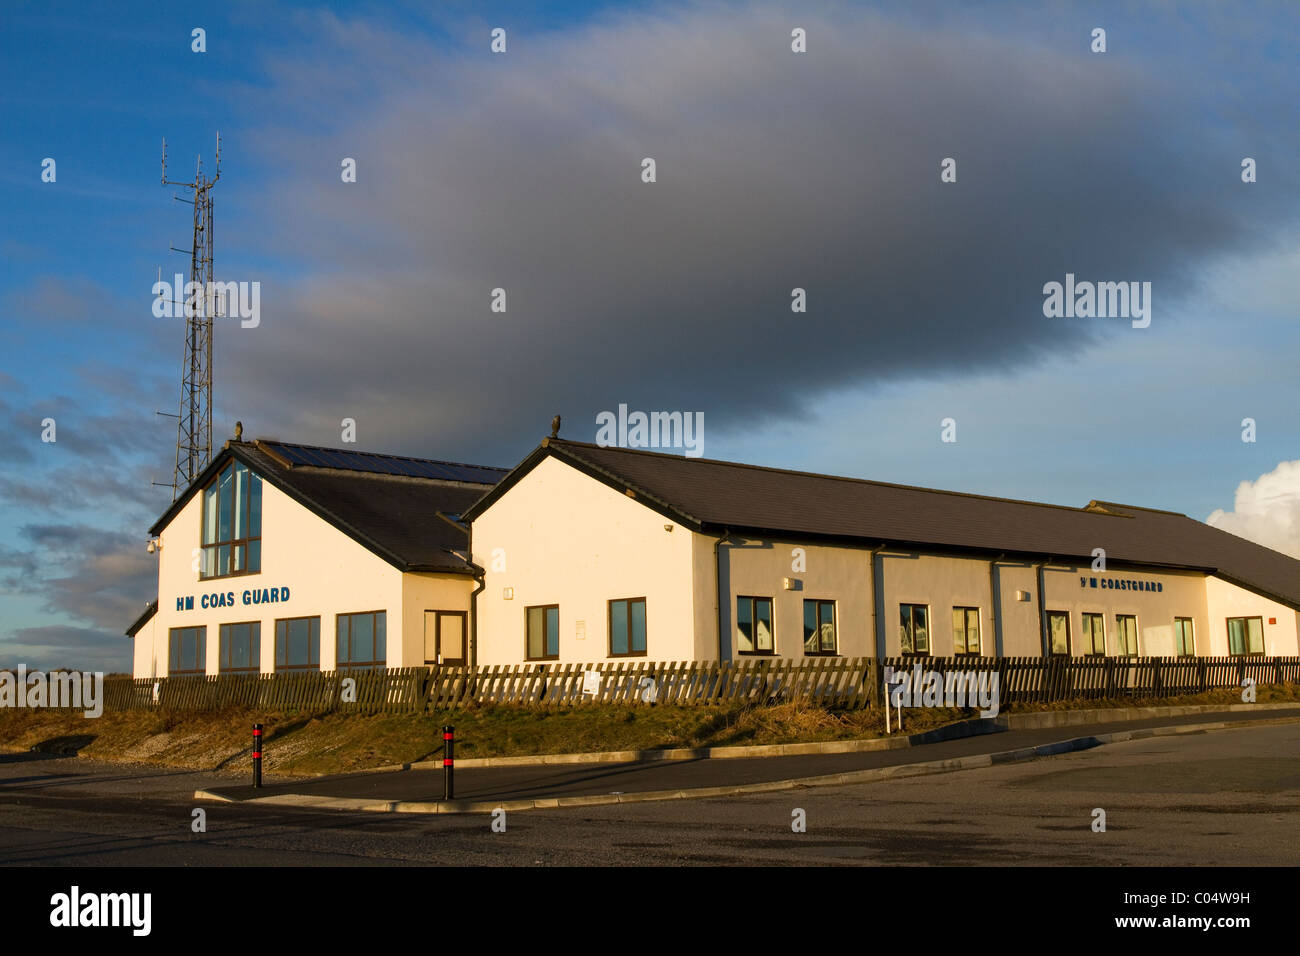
<point x="386" y="464"/>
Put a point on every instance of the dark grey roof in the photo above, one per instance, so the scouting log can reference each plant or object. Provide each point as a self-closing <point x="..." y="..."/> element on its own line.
<point x="145" y="617"/>
<point x="378" y="500"/>
<point x="712" y="495"/>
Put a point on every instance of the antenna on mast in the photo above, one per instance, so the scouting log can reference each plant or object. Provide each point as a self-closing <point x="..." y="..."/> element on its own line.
<point x="194" y="423"/>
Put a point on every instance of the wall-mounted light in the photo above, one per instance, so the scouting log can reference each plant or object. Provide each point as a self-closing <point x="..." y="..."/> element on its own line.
<point x="508" y="593"/>
<point x="792" y="584"/>
<point x="668" y="527"/>
<point x="155" y="544"/>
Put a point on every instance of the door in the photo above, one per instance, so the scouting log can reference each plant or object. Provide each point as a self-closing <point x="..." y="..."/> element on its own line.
<point x="444" y="638"/>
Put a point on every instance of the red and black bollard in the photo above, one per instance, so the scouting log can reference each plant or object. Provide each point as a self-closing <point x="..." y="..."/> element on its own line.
<point x="448" y="762"/>
<point x="257" y="755"/>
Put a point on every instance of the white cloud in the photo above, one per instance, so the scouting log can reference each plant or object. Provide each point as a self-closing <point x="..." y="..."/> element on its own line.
<point x="1267" y="510"/>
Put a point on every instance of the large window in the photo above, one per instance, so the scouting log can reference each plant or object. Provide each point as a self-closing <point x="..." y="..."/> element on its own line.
<point x="232" y="523"/>
<point x="1184" y="639"/>
<point x="1126" y="635"/>
<point x="754" y="626"/>
<point x="362" y="641"/>
<point x="966" y="630"/>
<point x="1058" y="632"/>
<point x="1094" y="634"/>
<point x="914" y="629"/>
<point x="543" y="624"/>
<point x="241" y="647"/>
<point x="297" y="644"/>
<point x="627" y="628"/>
<point x="185" y="651"/>
<point x="1245" y="636"/>
<point x="819" y="628"/>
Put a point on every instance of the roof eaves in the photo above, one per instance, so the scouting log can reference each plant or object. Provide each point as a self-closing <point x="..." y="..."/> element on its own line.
<point x="150" y="610"/>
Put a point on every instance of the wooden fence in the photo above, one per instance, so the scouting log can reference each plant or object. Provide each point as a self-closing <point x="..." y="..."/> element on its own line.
<point x="846" y="682"/>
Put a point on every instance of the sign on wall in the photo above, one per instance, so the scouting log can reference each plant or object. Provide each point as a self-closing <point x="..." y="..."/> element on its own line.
<point x="227" y="598"/>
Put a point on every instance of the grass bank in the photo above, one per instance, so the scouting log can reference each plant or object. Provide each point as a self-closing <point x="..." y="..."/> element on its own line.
<point x="305" y="743"/>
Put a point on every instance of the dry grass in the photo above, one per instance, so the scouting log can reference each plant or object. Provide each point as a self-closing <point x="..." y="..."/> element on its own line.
<point x="305" y="743"/>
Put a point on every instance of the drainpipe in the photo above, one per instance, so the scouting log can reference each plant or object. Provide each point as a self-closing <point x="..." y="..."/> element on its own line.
<point x="717" y="584"/>
<point x="877" y="646"/>
<point x="1043" y="640"/>
<point x="480" y="582"/>
<point x="995" y="606"/>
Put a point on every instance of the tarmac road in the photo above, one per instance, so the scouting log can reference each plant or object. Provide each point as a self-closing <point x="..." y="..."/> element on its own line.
<point x="1222" y="797"/>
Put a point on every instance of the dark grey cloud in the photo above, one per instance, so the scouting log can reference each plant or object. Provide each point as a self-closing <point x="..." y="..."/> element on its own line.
<point x="775" y="170"/>
<point x="85" y="573"/>
<point x="64" y="647"/>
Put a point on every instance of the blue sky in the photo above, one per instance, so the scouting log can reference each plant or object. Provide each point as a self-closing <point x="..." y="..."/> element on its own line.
<point x="521" y="171"/>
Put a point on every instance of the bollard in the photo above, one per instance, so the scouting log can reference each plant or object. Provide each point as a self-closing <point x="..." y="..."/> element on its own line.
<point x="448" y="762"/>
<point x="257" y="755"/>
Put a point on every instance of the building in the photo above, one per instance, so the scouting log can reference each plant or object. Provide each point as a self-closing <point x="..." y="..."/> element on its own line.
<point x="597" y="553"/>
<point x="287" y="557"/>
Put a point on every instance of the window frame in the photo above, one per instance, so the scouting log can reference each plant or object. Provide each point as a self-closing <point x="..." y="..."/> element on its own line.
<point x="232" y="543"/>
<point x="1090" y="636"/>
<point x="753" y="618"/>
<point x="361" y="665"/>
<point x="1263" y="645"/>
<point x="437" y="636"/>
<point x="979" y="635"/>
<point x="818" y="603"/>
<point x="527" y="650"/>
<point x="1069" y="638"/>
<point x="1191" y="628"/>
<point x="311" y="665"/>
<point x="609" y="626"/>
<point x="1119" y="634"/>
<point x="223" y="648"/>
<point x="911" y="629"/>
<point x="201" y="654"/>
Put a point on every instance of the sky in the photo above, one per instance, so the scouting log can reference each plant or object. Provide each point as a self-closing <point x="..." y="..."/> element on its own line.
<point x="523" y="170"/>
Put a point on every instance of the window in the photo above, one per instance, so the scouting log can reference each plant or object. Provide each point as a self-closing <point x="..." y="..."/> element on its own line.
<point x="754" y="626"/>
<point x="543" y="632"/>
<point x="297" y="644"/>
<point x="966" y="630"/>
<point x="1245" y="636"/>
<point x="914" y="629"/>
<point x="819" y="628"/>
<point x="361" y="639"/>
<point x="241" y="647"/>
<point x="1184" y="640"/>
<point x="1126" y="635"/>
<point x="627" y="628"/>
<point x="1094" y="634"/>
<point x="185" y="651"/>
<point x="1058" y="632"/>
<point x="232" y="523"/>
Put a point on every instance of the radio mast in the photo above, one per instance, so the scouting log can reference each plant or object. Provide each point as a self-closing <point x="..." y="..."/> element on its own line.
<point x="194" y="424"/>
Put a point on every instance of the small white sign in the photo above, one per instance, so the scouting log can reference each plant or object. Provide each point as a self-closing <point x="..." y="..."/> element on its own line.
<point x="591" y="682"/>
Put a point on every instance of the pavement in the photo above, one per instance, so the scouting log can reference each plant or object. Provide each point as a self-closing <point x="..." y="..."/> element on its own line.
<point x="479" y="789"/>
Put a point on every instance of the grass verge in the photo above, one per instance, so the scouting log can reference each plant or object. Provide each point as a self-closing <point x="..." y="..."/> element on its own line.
<point x="306" y="743"/>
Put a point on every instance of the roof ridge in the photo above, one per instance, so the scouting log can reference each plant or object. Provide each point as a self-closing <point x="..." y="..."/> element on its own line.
<point x="374" y="454"/>
<point x="1159" y="511"/>
<point x="860" y="481"/>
